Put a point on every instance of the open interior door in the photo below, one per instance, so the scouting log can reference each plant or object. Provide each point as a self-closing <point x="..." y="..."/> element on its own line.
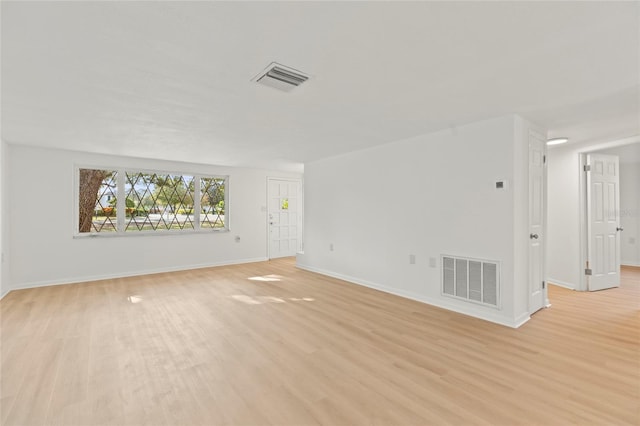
<point x="537" y="188"/>
<point x="603" y="222"/>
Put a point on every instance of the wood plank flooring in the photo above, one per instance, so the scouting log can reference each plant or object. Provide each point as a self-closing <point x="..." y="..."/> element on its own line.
<point x="267" y="343"/>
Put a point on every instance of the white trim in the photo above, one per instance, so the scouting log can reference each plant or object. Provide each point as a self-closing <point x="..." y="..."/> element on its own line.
<point x="476" y="313"/>
<point x="134" y="274"/>
<point x="583" y="284"/>
<point x="560" y="283"/>
<point x="520" y="320"/>
<point x="634" y="264"/>
<point x="4" y="294"/>
<point x="136" y="234"/>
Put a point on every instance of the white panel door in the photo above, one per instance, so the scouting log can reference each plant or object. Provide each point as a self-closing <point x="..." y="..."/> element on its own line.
<point x="284" y="217"/>
<point x="537" y="188"/>
<point x="603" y="221"/>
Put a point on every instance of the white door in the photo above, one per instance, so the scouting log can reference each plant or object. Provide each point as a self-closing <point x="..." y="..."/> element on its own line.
<point x="537" y="187"/>
<point x="603" y="222"/>
<point x="284" y="217"/>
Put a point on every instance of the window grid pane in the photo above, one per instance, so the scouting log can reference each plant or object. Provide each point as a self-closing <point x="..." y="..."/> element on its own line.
<point x="212" y="206"/>
<point x="97" y="200"/>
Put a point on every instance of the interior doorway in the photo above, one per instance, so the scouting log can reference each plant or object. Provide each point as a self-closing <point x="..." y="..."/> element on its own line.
<point x="601" y="227"/>
<point x="567" y="224"/>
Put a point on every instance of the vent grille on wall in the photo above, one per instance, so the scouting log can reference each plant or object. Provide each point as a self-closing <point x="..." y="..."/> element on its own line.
<point x="280" y="77"/>
<point x="471" y="279"/>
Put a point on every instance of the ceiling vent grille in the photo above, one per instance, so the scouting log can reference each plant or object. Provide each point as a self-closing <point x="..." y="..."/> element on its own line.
<point x="280" y="77"/>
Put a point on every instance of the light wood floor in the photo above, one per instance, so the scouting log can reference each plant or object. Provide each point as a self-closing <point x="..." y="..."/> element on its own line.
<point x="266" y="343"/>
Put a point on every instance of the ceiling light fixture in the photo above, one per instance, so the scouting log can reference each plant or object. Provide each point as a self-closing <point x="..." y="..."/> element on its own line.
<point x="557" y="141"/>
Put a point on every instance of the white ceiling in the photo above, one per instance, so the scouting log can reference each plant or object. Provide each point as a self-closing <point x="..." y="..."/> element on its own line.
<point x="627" y="154"/>
<point x="171" y="80"/>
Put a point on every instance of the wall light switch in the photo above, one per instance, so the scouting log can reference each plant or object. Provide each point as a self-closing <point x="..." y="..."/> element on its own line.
<point x="412" y="259"/>
<point x="432" y="262"/>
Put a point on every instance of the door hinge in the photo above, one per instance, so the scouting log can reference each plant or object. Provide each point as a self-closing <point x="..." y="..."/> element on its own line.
<point x="587" y="271"/>
<point x="543" y="284"/>
<point x="587" y="168"/>
<point x="544" y="159"/>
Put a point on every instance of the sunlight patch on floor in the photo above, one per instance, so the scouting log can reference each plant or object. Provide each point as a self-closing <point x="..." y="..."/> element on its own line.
<point x="259" y="300"/>
<point x="267" y="278"/>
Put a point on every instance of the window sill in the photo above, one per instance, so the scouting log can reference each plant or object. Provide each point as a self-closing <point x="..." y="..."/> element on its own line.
<point x="134" y="234"/>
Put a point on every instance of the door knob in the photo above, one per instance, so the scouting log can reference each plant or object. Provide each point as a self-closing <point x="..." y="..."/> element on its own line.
<point x="533" y="236"/>
<point x="620" y="228"/>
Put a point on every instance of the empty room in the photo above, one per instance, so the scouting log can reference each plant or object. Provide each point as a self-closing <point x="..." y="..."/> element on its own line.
<point x="319" y="213"/>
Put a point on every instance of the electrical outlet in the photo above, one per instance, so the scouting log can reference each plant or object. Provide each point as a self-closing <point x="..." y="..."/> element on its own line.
<point x="412" y="259"/>
<point x="237" y="238"/>
<point x="331" y="247"/>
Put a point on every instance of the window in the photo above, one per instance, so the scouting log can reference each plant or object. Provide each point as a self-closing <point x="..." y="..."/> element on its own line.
<point x="96" y="200"/>
<point x="212" y="206"/>
<point x="152" y="202"/>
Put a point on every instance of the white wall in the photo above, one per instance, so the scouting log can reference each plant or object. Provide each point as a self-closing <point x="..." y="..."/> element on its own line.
<point x="630" y="213"/>
<point x="429" y="195"/>
<point x="43" y="250"/>
<point x="4" y="220"/>
<point x="564" y="258"/>
<point x="563" y="229"/>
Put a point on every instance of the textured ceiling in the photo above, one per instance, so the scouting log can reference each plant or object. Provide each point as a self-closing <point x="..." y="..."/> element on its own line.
<point x="171" y="80"/>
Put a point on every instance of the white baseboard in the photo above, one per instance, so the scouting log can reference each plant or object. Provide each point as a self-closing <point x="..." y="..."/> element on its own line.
<point x="476" y="313"/>
<point x="560" y="283"/>
<point x="634" y="264"/>
<point x="77" y="280"/>
<point x="522" y="319"/>
<point x="4" y="293"/>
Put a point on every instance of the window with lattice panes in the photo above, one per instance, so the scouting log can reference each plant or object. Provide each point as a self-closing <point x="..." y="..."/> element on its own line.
<point x="157" y="201"/>
<point x="212" y="202"/>
<point x="97" y="197"/>
<point x="129" y="201"/>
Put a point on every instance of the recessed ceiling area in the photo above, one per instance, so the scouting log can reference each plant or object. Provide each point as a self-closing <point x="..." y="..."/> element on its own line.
<point x="172" y="80"/>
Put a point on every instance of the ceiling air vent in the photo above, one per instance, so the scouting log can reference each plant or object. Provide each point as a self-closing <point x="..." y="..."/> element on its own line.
<point x="280" y="77"/>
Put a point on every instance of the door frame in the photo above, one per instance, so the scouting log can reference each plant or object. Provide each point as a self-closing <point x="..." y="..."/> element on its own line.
<point x="299" y="181"/>
<point x="583" y="284"/>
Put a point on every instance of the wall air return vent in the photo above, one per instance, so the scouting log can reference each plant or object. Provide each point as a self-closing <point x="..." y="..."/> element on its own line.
<point x="473" y="280"/>
<point x="280" y="77"/>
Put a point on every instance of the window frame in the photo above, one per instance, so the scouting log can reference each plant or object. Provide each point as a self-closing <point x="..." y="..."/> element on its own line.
<point x="121" y="206"/>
